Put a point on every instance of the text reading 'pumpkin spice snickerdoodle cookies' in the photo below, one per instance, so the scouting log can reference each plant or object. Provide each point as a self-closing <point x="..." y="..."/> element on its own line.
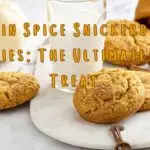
<point x="116" y="95"/>
<point x="127" y="50"/>
<point x="16" y="88"/>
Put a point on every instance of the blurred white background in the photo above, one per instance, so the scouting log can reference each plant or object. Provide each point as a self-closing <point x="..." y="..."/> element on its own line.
<point x="35" y="10"/>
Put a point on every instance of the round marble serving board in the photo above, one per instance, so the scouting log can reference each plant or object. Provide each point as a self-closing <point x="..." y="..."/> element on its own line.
<point x="53" y="113"/>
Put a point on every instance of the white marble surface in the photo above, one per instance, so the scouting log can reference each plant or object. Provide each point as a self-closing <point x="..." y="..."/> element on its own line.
<point x="18" y="133"/>
<point x="16" y="129"/>
<point x="65" y="124"/>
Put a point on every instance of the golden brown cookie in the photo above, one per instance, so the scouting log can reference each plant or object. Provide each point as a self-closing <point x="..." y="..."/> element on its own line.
<point x="16" y="88"/>
<point x="145" y="78"/>
<point x="126" y="50"/>
<point x="116" y="95"/>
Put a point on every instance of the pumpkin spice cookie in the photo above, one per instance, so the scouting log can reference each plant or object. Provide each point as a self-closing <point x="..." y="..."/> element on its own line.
<point x="127" y="50"/>
<point x="16" y="88"/>
<point x="116" y="95"/>
<point x="145" y="78"/>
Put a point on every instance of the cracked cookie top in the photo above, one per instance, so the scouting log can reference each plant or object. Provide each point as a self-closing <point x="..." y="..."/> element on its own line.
<point x="129" y="49"/>
<point x="116" y="95"/>
<point x="16" y="88"/>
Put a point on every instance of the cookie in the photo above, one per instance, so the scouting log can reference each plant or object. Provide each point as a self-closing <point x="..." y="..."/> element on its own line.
<point x="116" y="95"/>
<point x="145" y="78"/>
<point x="126" y="50"/>
<point x="16" y="88"/>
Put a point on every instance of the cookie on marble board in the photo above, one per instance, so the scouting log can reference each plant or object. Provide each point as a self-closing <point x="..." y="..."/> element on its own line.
<point x="116" y="95"/>
<point x="16" y="88"/>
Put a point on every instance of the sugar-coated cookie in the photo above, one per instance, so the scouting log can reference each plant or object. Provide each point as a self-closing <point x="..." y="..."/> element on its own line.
<point x="16" y="88"/>
<point x="116" y="95"/>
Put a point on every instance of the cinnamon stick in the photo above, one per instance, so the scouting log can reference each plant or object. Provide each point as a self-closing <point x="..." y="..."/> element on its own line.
<point x="136" y="68"/>
<point x="121" y="145"/>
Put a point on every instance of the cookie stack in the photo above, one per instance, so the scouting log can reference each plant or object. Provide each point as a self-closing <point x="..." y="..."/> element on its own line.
<point x="117" y="94"/>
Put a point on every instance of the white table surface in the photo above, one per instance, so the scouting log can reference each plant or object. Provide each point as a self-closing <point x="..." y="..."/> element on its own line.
<point x="16" y="129"/>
